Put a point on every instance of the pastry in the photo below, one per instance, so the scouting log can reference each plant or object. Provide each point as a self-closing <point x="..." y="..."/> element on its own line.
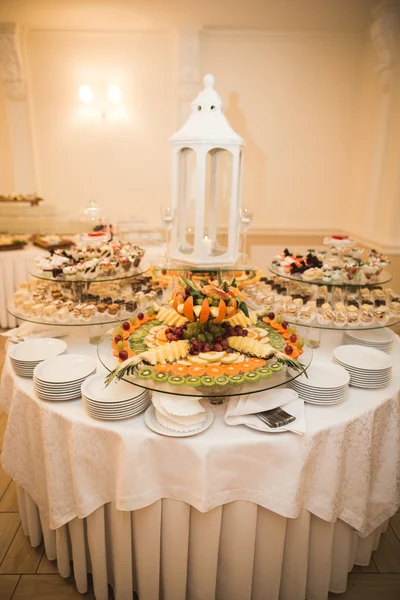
<point x="352" y="314"/>
<point x="88" y="311"/>
<point x="113" y="309"/>
<point x="102" y="307"/>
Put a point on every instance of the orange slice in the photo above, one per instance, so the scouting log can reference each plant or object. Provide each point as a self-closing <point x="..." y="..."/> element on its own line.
<point x="215" y="371"/>
<point x="181" y="370"/>
<point x="267" y="320"/>
<point x="162" y="368"/>
<point x="221" y="312"/>
<point x="197" y="371"/>
<point x="231" y="369"/>
<point x="257" y="362"/>
<point x="245" y="366"/>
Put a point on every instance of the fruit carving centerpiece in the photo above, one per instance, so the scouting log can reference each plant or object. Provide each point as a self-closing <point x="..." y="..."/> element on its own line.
<point x="205" y="337"/>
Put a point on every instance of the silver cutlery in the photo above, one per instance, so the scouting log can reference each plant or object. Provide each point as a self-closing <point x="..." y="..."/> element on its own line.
<point x="277" y="417"/>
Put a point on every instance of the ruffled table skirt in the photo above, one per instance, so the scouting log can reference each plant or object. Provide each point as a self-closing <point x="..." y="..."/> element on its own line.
<point x="171" y="551"/>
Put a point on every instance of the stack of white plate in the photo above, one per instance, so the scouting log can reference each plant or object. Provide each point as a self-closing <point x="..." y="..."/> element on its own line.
<point x="120" y="400"/>
<point x="326" y="384"/>
<point x="367" y="367"/>
<point x="61" y="378"/>
<point x="380" y="339"/>
<point x="25" y="356"/>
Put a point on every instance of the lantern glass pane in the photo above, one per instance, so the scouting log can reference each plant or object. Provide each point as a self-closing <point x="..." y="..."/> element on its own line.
<point x="186" y="200"/>
<point x="217" y="199"/>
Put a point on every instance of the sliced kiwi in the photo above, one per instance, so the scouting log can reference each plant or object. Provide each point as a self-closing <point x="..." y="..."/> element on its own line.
<point x="275" y="367"/>
<point x="236" y="379"/>
<point x="221" y="380"/>
<point x="176" y="380"/>
<point x="146" y="373"/>
<point x="161" y="377"/>
<point x="207" y="380"/>
<point x="193" y="381"/>
<point x="264" y="372"/>
<point x="252" y="376"/>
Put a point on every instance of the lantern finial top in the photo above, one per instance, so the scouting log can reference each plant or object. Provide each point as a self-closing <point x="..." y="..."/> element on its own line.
<point x="207" y="123"/>
<point x="208" y="81"/>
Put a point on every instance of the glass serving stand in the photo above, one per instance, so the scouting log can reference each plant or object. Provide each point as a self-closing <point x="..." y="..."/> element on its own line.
<point x="133" y="272"/>
<point x="217" y="394"/>
<point x="79" y="289"/>
<point x="355" y="327"/>
<point x="360" y="280"/>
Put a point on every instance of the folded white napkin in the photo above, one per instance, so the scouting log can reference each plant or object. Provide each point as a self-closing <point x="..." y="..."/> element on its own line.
<point x="178" y="413"/>
<point x="241" y="409"/>
<point x="20" y="334"/>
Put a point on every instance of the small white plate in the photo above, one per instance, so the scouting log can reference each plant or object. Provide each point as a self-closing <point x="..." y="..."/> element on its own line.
<point x="154" y="425"/>
<point x="373" y="336"/>
<point x="38" y="349"/>
<point x="68" y="368"/>
<point x="358" y="357"/>
<point x="94" y="388"/>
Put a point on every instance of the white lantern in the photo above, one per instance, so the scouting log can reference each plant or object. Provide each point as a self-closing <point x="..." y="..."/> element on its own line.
<point x="206" y="184"/>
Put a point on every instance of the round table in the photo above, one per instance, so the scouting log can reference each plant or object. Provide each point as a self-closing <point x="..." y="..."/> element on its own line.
<point x="230" y="513"/>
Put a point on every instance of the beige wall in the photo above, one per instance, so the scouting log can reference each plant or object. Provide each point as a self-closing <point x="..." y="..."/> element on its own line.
<point x="291" y="97"/>
<point x="299" y="83"/>
<point x="120" y="158"/>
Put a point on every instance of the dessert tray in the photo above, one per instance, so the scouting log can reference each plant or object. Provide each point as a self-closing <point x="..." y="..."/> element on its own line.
<point x="326" y="307"/>
<point x="52" y="241"/>
<point x="12" y="242"/>
<point x="32" y="199"/>
<point x="97" y="303"/>
<point x="343" y="265"/>
<point x="204" y="342"/>
<point x="92" y="262"/>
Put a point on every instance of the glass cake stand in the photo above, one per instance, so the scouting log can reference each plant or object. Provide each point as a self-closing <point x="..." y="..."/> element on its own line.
<point x="360" y="280"/>
<point x="347" y="327"/>
<point x="216" y="393"/>
<point x="135" y="272"/>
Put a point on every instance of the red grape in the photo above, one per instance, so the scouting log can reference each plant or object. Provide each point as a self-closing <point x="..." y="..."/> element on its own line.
<point x="271" y="316"/>
<point x="118" y="338"/>
<point x="293" y="338"/>
<point x="288" y="350"/>
<point x="245" y="333"/>
<point x="285" y="325"/>
<point x="206" y="349"/>
<point x="225" y="343"/>
<point x="123" y="355"/>
<point x="217" y="348"/>
<point x="229" y="350"/>
<point x="140" y="316"/>
<point x="126" y="326"/>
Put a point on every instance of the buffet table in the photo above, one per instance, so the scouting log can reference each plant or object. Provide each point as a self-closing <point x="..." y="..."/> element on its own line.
<point x="229" y="513"/>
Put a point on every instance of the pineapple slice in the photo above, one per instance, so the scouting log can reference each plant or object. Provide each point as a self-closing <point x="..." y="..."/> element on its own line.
<point x="241" y="319"/>
<point x="170" y="317"/>
<point x="250" y="347"/>
<point x="168" y="353"/>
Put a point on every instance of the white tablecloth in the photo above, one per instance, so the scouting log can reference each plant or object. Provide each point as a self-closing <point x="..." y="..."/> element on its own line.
<point x="345" y="467"/>
<point x="171" y="551"/>
<point x="14" y="269"/>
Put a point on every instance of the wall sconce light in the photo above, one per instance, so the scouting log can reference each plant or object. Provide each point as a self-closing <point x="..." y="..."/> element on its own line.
<point x="114" y="94"/>
<point x="85" y="94"/>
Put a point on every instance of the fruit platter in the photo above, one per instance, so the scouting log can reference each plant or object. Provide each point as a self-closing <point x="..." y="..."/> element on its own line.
<point x="204" y="342"/>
